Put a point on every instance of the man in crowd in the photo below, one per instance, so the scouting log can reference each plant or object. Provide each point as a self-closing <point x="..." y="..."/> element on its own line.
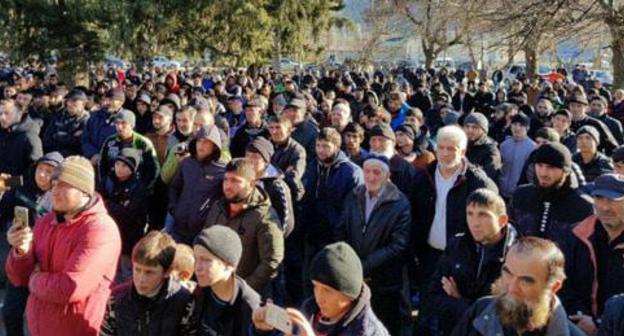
<point x="304" y="130"/>
<point x="578" y="108"/>
<point x="592" y="162"/>
<point x="543" y="207"/>
<point x="440" y="200"/>
<point x="253" y="127"/>
<point x="196" y="185"/>
<point x="101" y="125"/>
<point x="524" y="300"/>
<point x="594" y="252"/>
<point x="246" y="209"/>
<point x="224" y="301"/>
<point x="20" y="146"/>
<point x="380" y="236"/>
<point x="289" y="156"/>
<point x="69" y="260"/>
<point x="65" y="128"/>
<point x="126" y="137"/>
<point x="598" y="109"/>
<point x="472" y="262"/>
<point x="341" y="303"/>
<point x="514" y="152"/>
<point x="482" y="150"/>
<point x="329" y="178"/>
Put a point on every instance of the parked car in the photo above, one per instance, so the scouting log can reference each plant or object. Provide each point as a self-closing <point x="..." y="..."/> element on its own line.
<point x="164" y="62"/>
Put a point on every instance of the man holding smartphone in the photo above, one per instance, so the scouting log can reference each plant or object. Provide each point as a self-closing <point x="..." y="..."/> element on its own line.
<point x="69" y="259"/>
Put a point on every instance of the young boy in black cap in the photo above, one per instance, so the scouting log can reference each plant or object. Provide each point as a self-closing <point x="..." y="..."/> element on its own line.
<point x="224" y="302"/>
<point x="126" y="201"/>
<point x="341" y="302"/>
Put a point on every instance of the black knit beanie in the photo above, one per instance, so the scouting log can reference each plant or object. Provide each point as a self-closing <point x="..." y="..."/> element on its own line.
<point x="221" y="241"/>
<point x="263" y="147"/>
<point x="554" y="154"/>
<point x="339" y="267"/>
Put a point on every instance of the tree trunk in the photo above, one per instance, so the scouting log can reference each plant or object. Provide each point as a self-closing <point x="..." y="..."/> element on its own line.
<point x="430" y="54"/>
<point x="531" y="59"/>
<point x="617" y="46"/>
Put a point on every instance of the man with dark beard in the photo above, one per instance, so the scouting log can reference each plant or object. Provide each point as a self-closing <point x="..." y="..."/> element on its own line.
<point x="524" y="301"/>
<point x="542" y="208"/>
<point x="246" y="209"/>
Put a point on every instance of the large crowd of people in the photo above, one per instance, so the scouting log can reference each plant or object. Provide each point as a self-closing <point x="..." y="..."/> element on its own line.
<point x="397" y="202"/>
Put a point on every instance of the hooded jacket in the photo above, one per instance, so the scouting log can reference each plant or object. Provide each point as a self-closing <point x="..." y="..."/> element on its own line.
<point x="20" y="147"/>
<point x="326" y="190"/>
<point x="196" y="185"/>
<point x="77" y="261"/>
<point x="259" y="230"/>
<point x="613" y="317"/>
<point x="382" y="240"/>
<point x="546" y="213"/>
<point x="482" y="319"/>
<point x="130" y="314"/>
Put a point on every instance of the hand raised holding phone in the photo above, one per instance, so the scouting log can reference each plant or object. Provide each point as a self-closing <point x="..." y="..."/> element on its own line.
<point x="270" y="317"/>
<point x="20" y="235"/>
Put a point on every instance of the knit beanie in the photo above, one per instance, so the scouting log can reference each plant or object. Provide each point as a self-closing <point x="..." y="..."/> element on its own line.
<point x="407" y="130"/>
<point x="554" y="154"/>
<point x="383" y="130"/>
<point x="377" y="159"/>
<point x="78" y="172"/>
<point x="127" y="116"/>
<point x="591" y="130"/>
<point x="478" y="119"/>
<point x="221" y="241"/>
<point x="131" y="157"/>
<point x="53" y="159"/>
<point x="263" y="147"/>
<point x="339" y="267"/>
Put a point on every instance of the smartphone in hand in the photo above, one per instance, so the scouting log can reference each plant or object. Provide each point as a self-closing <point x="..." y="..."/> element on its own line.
<point x="277" y="317"/>
<point x="21" y="216"/>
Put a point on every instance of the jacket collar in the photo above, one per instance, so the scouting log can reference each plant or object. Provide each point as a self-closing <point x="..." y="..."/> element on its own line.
<point x="488" y="323"/>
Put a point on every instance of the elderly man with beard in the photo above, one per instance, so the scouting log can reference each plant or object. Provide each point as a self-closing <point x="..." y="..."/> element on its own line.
<point x="524" y="300"/>
<point x="543" y="208"/>
<point x="594" y="250"/>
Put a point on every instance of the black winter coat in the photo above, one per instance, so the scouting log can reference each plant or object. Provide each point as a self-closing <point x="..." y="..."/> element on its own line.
<point x="613" y="317"/>
<point x="381" y="241"/>
<point x="291" y="159"/>
<point x="601" y="164"/>
<point x="485" y="153"/>
<point x="581" y="289"/>
<point x="63" y="133"/>
<point x="130" y="314"/>
<point x="279" y="194"/>
<point x="547" y="214"/>
<point x="474" y="268"/>
<point x="470" y="179"/>
<point x="20" y="147"/>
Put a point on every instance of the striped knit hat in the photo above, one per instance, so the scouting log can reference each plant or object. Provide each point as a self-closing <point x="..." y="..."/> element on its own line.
<point x="77" y="172"/>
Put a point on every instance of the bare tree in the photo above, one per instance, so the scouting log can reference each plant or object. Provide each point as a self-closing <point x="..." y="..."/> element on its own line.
<point x="381" y="22"/>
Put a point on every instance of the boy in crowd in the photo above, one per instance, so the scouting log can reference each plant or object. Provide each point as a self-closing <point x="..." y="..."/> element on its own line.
<point x="152" y="303"/>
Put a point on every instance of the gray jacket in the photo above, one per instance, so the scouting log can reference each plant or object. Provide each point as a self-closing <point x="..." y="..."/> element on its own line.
<point x="482" y="319"/>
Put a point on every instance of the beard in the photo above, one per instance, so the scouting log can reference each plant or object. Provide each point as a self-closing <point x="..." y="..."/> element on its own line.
<point x="456" y="163"/>
<point x="521" y="316"/>
<point x="238" y="197"/>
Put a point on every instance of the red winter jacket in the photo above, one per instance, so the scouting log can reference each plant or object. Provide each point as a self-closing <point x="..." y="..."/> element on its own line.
<point x="77" y="261"/>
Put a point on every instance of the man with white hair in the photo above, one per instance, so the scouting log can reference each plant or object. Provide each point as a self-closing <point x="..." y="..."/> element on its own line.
<point x="340" y="115"/>
<point x="440" y="199"/>
<point x="380" y="236"/>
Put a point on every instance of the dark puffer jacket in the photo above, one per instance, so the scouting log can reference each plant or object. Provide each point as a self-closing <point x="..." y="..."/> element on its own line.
<point x="381" y="241"/>
<point x="130" y="314"/>
<point x="259" y="230"/>
<point x="279" y="193"/>
<point x="20" y="147"/>
<point x="601" y="164"/>
<point x="63" y="133"/>
<point x="290" y="158"/>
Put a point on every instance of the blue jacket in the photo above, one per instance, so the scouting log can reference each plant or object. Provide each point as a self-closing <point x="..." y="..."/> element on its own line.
<point x="326" y="191"/>
<point x="99" y="127"/>
<point x="613" y="317"/>
<point x="400" y="117"/>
